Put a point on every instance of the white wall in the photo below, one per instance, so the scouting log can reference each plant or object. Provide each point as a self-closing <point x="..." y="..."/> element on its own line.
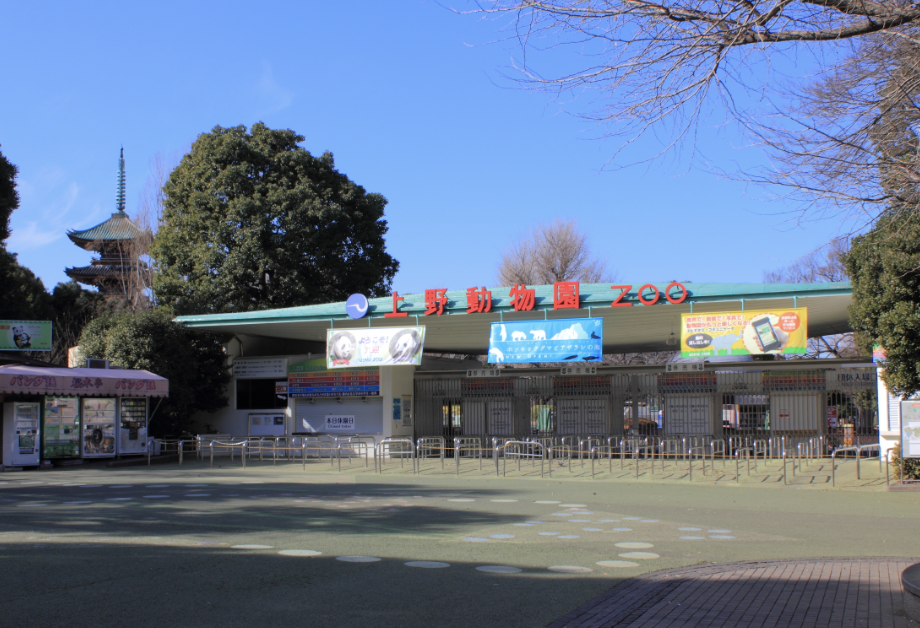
<point x="397" y="382"/>
<point x="889" y="427"/>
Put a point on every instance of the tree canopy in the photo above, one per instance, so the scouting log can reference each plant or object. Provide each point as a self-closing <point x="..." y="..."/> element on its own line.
<point x="193" y="362"/>
<point x="251" y="221"/>
<point x="9" y="197"/>
<point x="550" y="253"/>
<point x="806" y="80"/>
<point x="22" y="294"/>
<point x="884" y="267"/>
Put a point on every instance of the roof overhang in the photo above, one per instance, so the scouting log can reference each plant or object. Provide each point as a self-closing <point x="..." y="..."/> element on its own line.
<point x="634" y="328"/>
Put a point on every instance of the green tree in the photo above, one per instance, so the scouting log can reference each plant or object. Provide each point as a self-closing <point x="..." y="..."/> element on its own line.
<point x="193" y="362"/>
<point x="74" y="307"/>
<point x="251" y="220"/>
<point x="22" y="294"/>
<point x="9" y="197"/>
<point x="884" y="267"/>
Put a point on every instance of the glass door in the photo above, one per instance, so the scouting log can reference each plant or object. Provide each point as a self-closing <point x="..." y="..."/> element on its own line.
<point x="98" y="428"/>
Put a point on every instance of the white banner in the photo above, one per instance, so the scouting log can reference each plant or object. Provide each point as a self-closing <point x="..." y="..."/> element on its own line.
<point x="347" y="348"/>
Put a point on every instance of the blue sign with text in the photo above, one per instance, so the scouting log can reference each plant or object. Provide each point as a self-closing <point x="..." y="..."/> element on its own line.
<point x="564" y="340"/>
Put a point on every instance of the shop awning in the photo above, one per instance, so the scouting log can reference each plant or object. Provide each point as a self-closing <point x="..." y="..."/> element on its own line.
<point x="33" y="380"/>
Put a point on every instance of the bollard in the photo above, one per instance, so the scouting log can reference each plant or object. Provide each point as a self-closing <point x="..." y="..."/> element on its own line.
<point x="457" y="456"/>
<point x="181" y="447"/>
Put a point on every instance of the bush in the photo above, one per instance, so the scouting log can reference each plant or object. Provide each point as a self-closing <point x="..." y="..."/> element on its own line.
<point x="911" y="465"/>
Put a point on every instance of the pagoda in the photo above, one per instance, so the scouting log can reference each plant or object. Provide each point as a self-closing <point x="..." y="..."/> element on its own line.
<point x="119" y="243"/>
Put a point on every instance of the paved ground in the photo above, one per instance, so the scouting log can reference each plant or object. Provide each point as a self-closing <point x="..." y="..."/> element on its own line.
<point x="789" y="593"/>
<point x="201" y="546"/>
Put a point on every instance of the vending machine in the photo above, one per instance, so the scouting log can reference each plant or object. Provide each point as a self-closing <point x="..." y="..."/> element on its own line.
<point x="21" y="433"/>
<point x="61" y="428"/>
<point x="132" y="433"/>
<point x="98" y="428"/>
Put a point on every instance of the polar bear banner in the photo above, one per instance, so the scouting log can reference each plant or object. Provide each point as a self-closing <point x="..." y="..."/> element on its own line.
<point x="538" y="341"/>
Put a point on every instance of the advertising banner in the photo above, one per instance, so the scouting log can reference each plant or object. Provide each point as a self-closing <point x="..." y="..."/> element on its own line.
<point x="374" y="347"/>
<point x="563" y="340"/>
<point x="910" y="429"/>
<point x="753" y="332"/>
<point x="25" y="335"/>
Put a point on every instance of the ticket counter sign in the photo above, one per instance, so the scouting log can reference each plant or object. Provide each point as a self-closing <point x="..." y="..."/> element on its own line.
<point x="752" y="332"/>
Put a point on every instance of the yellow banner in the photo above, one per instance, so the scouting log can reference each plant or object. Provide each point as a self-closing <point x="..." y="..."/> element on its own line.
<point x="753" y="332"/>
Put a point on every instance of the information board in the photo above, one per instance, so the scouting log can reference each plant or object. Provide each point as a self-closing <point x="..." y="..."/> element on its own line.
<point x="910" y="429"/>
<point x="260" y="367"/>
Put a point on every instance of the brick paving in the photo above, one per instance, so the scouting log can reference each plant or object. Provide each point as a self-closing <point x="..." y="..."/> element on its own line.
<point x="808" y="593"/>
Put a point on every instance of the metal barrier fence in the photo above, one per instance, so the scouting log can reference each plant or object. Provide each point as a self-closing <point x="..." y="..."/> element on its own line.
<point x="634" y="453"/>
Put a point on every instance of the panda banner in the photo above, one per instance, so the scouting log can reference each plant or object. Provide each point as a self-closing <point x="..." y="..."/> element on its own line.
<point x="561" y="340"/>
<point x="374" y="347"/>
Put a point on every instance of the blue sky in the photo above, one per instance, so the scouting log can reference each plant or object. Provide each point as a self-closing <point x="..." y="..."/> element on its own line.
<point x="410" y="99"/>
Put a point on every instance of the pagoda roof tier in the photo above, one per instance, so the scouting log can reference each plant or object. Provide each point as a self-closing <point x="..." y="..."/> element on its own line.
<point x="99" y="272"/>
<point x="118" y="228"/>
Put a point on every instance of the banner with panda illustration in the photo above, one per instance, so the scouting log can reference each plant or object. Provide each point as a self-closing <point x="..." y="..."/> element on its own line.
<point x="561" y="340"/>
<point x="374" y="346"/>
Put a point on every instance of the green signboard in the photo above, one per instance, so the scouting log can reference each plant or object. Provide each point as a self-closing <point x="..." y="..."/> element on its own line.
<point x="25" y="335"/>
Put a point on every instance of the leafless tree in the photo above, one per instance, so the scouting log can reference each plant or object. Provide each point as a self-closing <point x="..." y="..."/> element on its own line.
<point x="550" y="253"/>
<point x="633" y="359"/>
<point x="820" y="266"/>
<point x="665" y="67"/>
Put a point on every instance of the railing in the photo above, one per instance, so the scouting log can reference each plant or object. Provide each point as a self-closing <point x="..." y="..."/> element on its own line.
<point x="354" y="448"/>
<point x="390" y="446"/>
<point x="520" y="449"/>
<point x="436" y="444"/>
<point x="230" y="447"/>
<point x="470" y="445"/>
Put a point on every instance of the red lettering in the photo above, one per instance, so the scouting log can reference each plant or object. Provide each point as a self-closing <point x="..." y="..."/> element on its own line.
<point x="435" y="300"/>
<point x="667" y="293"/>
<point x="396" y="313"/>
<point x="616" y="301"/>
<point x="650" y="301"/>
<point x="478" y="300"/>
<point x="565" y="295"/>
<point x="523" y="298"/>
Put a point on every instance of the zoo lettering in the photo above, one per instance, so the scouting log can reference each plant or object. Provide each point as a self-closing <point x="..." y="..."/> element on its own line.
<point x="565" y="296"/>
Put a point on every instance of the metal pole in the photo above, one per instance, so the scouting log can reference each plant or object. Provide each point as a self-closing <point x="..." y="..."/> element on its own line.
<point x="784" y="465"/>
<point x="457" y="456"/>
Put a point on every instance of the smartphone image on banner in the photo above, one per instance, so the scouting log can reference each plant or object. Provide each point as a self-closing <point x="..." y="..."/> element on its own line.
<point x="765" y="333"/>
